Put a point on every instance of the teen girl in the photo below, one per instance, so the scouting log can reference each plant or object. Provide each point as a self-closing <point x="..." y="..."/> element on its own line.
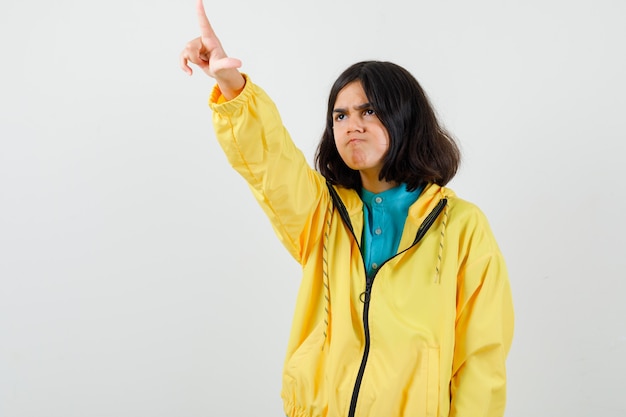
<point x="404" y="308"/>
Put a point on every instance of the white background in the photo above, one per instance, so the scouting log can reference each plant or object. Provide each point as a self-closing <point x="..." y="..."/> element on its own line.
<point x="139" y="278"/>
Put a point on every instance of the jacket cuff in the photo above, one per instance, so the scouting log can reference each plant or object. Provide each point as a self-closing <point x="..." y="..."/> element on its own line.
<point x="219" y="104"/>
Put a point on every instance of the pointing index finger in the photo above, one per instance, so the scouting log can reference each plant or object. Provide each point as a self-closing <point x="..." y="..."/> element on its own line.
<point x="205" y="26"/>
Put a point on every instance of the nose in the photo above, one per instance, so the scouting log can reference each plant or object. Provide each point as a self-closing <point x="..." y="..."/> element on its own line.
<point x="355" y="124"/>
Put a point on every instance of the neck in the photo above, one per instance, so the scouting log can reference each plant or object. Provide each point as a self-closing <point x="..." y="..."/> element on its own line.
<point x="376" y="186"/>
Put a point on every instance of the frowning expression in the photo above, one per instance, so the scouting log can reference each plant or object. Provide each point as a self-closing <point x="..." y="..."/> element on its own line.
<point x="361" y="138"/>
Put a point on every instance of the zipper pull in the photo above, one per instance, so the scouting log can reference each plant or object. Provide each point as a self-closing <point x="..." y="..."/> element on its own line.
<point x="365" y="295"/>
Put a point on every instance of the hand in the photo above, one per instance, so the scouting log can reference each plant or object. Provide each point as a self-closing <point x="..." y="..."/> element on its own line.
<point x="208" y="54"/>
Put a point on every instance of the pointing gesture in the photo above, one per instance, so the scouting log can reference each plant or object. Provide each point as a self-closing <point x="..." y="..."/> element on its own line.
<point x="207" y="53"/>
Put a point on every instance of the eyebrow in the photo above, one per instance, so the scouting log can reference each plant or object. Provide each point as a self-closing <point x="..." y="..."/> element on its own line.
<point x="359" y="107"/>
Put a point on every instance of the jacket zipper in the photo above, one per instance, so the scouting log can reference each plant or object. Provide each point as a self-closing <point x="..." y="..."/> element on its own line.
<point x="366" y="296"/>
<point x="369" y="282"/>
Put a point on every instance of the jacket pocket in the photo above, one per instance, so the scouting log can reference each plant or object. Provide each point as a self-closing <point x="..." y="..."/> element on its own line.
<point x="401" y="386"/>
<point x="423" y="395"/>
<point x="432" y="384"/>
<point x="303" y="374"/>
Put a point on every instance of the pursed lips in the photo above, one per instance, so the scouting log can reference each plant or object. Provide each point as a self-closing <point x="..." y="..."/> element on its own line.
<point x="353" y="141"/>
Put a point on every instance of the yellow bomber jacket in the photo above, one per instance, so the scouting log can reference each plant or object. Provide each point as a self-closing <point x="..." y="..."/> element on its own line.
<point x="428" y="336"/>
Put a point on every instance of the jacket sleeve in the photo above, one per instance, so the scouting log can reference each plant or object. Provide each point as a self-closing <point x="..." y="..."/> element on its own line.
<point x="257" y="145"/>
<point x="484" y="326"/>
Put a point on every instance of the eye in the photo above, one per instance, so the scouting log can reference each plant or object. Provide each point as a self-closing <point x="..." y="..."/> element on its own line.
<point x="369" y="112"/>
<point x="339" y="117"/>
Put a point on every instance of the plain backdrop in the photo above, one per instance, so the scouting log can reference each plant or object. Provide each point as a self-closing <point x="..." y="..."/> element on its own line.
<point x="138" y="277"/>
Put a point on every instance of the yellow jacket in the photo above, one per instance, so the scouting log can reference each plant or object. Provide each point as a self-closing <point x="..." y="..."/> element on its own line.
<point x="428" y="336"/>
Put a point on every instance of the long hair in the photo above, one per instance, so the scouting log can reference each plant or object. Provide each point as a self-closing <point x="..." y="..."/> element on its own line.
<point x="420" y="151"/>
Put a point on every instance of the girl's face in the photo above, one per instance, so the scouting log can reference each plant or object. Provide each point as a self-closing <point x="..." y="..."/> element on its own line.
<point x="360" y="137"/>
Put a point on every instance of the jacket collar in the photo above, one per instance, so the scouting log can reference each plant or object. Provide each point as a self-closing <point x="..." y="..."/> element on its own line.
<point x="425" y="204"/>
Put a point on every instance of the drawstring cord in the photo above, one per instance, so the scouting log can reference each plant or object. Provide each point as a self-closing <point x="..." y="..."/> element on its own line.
<point x="325" y="275"/>
<point x="444" y="222"/>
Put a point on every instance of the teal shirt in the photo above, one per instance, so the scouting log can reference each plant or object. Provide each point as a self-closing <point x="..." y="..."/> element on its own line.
<point x="384" y="215"/>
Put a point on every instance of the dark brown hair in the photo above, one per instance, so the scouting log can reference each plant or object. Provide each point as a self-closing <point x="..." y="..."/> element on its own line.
<point x="420" y="149"/>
